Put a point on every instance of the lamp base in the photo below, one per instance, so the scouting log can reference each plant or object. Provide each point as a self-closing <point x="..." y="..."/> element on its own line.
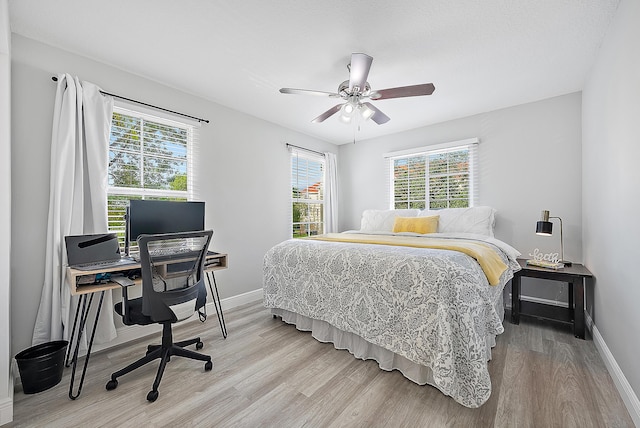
<point x="566" y="262"/>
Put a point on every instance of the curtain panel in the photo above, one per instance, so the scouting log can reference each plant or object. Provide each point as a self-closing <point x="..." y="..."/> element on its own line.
<point x="77" y="201"/>
<point x="331" y="193"/>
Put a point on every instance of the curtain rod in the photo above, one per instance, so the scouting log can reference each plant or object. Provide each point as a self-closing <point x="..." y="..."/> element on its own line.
<point x="55" y="79"/>
<point x="308" y="150"/>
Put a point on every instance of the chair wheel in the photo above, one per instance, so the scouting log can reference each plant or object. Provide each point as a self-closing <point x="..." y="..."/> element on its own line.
<point x="208" y="366"/>
<point x="199" y="345"/>
<point x="112" y="384"/>
<point x="152" y="396"/>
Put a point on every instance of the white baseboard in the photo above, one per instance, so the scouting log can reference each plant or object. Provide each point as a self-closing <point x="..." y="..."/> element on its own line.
<point x="239" y="300"/>
<point x="6" y="410"/>
<point x="129" y="333"/>
<point x="6" y="404"/>
<point x="624" y="388"/>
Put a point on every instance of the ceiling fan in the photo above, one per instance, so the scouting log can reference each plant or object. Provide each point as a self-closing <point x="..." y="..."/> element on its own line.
<point x="357" y="89"/>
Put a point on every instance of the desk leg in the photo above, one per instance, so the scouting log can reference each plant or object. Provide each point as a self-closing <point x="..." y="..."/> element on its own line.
<point x="211" y="279"/>
<point x="83" y="320"/>
<point x="578" y="311"/>
<point x="515" y="299"/>
<point x="67" y="362"/>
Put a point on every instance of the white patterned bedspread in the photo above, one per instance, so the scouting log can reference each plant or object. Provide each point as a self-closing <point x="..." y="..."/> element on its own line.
<point x="433" y="307"/>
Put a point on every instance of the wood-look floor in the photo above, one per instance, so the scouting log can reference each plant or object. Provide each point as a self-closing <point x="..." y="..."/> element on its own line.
<point x="268" y="374"/>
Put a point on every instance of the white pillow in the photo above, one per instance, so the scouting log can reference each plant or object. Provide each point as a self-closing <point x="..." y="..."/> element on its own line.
<point x="382" y="220"/>
<point x="479" y="220"/>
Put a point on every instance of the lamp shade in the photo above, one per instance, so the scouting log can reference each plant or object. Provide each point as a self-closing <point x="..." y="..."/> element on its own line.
<point x="544" y="228"/>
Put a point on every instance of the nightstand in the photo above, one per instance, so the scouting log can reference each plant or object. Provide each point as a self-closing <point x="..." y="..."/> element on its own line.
<point x="577" y="276"/>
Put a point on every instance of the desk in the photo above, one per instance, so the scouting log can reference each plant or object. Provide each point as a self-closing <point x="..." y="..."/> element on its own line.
<point x="86" y="292"/>
<point x="576" y="275"/>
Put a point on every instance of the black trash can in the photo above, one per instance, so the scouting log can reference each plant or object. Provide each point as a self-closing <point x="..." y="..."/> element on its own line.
<point x="41" y="366"/>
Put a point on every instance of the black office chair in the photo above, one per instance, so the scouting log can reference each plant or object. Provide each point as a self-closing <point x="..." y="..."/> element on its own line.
<point x="173" y="289"/>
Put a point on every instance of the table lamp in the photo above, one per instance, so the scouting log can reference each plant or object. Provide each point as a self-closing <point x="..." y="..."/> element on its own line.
<point x="544" y="227"/>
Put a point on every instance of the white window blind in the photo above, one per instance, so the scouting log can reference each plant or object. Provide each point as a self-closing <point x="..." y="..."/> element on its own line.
<point x="307" y="193"/>
<point x="441" y="176"/>
<point x="149" y="158"/>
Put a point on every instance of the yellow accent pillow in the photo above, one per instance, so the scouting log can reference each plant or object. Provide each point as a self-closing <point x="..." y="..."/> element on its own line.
<point x="428" y="224"/>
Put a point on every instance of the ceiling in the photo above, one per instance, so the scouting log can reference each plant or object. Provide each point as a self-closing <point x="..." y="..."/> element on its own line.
<point x="480" y="55"/>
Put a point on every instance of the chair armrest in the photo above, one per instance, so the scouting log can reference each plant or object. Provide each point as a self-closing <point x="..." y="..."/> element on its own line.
<point x="124" y="283"/>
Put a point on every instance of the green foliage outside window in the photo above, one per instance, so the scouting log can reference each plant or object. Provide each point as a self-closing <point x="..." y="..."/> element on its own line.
<point x="146" y="154"/>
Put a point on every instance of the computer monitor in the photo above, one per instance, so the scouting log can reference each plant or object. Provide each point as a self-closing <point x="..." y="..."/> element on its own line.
<point x="153" y="217"/>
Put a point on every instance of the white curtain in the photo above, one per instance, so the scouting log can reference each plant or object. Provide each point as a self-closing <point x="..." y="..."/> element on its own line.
<point x="77" y="202"/>
<point x="331" y="193"/>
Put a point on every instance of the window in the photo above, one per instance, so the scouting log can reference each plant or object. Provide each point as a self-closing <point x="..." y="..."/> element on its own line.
<point x="149" y="158"/>
<point x="434" y="177"/>
<point x="307" y="194"/>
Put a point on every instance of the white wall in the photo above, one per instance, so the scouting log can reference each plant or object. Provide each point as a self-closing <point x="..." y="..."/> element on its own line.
<point x="611" y="199"/>
<point x="243" y="171"/>
<point x="530" y="160"/>
<point x="6" y="384"/>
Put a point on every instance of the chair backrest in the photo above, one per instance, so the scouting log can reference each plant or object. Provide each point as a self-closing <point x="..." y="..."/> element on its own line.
<point x="172" y="266"/>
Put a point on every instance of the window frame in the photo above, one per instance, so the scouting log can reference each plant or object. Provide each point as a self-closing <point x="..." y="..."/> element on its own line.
<point x="470" y="144"/>
<point x="116" y="221"/>
<point x="313" y="157"/>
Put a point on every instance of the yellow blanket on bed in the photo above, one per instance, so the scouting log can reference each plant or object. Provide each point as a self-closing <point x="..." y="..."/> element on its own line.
<point x="489" y="260"/>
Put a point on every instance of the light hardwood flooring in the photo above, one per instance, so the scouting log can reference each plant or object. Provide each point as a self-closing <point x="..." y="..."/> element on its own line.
<point x="267" y="373"/>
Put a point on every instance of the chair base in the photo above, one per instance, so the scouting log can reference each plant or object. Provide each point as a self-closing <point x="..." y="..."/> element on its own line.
<point x="164" y="353"/>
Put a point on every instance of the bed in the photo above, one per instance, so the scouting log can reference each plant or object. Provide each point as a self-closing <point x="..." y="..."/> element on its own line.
<point x="427" y="304"/>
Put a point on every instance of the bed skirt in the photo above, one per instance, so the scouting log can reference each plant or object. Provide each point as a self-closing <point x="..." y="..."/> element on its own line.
<point x="360" y="348"/>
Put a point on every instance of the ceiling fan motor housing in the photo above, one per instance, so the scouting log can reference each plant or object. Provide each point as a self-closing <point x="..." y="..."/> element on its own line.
<point x="344" y="92"/>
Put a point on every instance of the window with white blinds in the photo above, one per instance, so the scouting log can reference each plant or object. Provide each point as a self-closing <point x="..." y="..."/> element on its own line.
<point x="441" y="176"/>
<point x="149" y="158"/>
<point x="307" y="193"/>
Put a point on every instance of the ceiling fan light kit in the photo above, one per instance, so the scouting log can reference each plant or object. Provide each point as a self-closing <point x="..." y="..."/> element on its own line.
<point x="346" y="113"/>
<point x="366" y="112"/>
<point x="354" y="90"/>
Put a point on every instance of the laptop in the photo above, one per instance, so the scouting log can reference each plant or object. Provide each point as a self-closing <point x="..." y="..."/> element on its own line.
<point x="95" y="252"/>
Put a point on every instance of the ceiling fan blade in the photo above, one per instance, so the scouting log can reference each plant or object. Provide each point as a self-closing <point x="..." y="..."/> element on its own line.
<point x="378" y="116"/>
<point x="327" y="114"/>
<point x="308" y="92"/>
<point x="359" y="70"/>
<point x="404" y="91"/>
